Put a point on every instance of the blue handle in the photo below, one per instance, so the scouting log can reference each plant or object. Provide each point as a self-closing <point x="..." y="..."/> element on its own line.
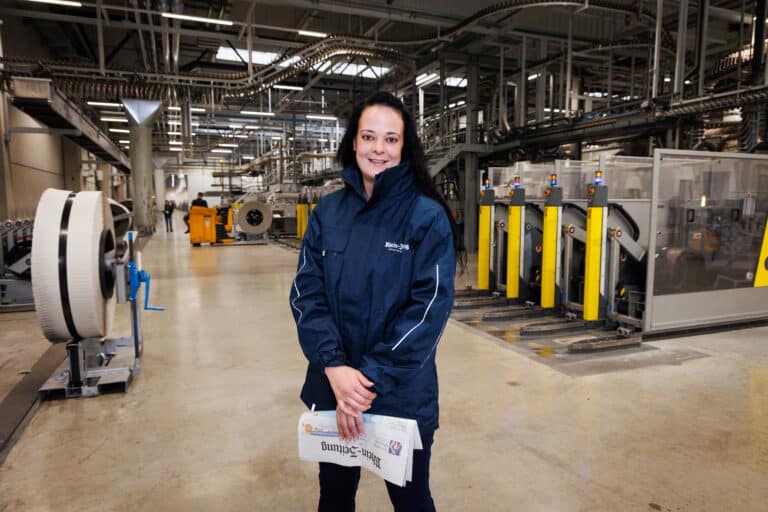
<point x="135" y="278"/>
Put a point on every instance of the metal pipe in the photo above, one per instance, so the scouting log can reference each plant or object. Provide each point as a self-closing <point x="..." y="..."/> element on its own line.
<point x="100" y="37"/>
<point x="657" y="49"/>
<point x="702" y="36"/>
<point x="522" y="93"/>
<point x="758" y="43"/>
<point x="541" y="84"/>
<point x="166" y="45"/>
<point x="176" y="45"/>
<point x="568" y="67"/>
<point x="682" y="28"/>
<point x="141" y="36"/>
<point x="141" y="115"/>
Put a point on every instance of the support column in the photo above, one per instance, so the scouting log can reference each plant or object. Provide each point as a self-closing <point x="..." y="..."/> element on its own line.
<point x="160" y="186"/>
<point x="106" y="178"/>
<point x="471" y="177"/>
<point x="702" y="36"/>
<point x="682" y="28"/>
<point x="72" y="158"/>
<point x="521" y="100"/>
<point x="541" y="83"/>
<point x="141" y="115"/>
<point x="657" y="49"/>
<point x="7" y="203"/>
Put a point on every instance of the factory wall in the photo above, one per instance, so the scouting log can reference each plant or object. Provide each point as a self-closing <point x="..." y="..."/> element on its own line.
<point x="36" y="163"/>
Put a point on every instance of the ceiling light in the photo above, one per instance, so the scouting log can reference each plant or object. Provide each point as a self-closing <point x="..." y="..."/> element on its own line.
<point x="175" y="109"/>
<point x="533" y="77"/>
<point x="173" y="122"/>
<point x="322" y="140"/>
<point x="176" y="149"/>
<point x="240" y="136"/>
<point x="255" y="113"/>
<point x="290" y="138"/>
<point x="252" y="127"/>
<point x="174" y="133"/>
<point x="104" y="104"/>
<point x="275" y="137"/>
<point x="221" y="150"/>
<point x="426" y="79"/>
<point x="119" y="130"/>
<point x="309" y="33"/>
<point x="321" y="118"/>
<point x="667" y="79"/>
<point x="235" y="126"/>
<point x="124" y="141"/>
<point x="58" y="2"/>
<point x="228" y="145"/>
<point x="196" y="18"/>
<point x="175" y="142"/>
<point x="247" y="157"/>
<point x="196" y="109"/>
<point x="288" y="87"/>
<point x="687" y="82"/>
<point x="114" y="119"/>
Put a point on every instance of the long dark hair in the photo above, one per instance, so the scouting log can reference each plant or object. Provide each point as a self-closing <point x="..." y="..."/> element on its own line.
<point x="412" y="151"/>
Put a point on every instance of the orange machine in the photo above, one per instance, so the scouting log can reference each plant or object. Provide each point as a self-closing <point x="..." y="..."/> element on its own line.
<point x="202" y="225"/>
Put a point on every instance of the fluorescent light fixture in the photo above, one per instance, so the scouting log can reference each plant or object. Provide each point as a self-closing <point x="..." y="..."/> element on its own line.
<point x="225" y="145"/>
<point x="290" y="138"/>
<point x="119" y="130"/>
<point x="687" y="82"/>
<point x="276" y="137"/>
<point x="221" y="150"/>
<point x="174" y="142"/>
<point x="288" y="87"/>
<point x="309" y="33"/>
<point x="175" y="133"/>
<point x="196" y="18"/>
<point x="175" y="109"/>
<point x="255" y="113"/>
<point x="252" y="127"/>
<point x="426" y="79"/>
<point x="58" y="2"/>
<point x="176" y="149"/>
<point x="455" y="81"/>
<point x="114" y="119"/>
<point x="667" y="79"/>
<point x="533" y="77"/>
<point x="322" y="140"/>
<point x="247" y="157"/>
<point x="235" y="126"/>
<point x="240" y="136"/>
<point x="197" y="109"/>
<point x="171" y="121"/>
<point x="124" y="141"/>
<point x="104" y="104"/>
<point x="321" y="117"/>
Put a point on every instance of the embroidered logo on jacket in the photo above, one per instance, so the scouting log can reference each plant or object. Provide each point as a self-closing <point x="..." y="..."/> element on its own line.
<point x="391" y="246"/>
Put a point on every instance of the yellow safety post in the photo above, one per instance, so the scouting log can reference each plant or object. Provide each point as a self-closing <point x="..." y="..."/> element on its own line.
<point x="761" y="275"/>
<point x="314" y="203"/>
<point x="484" y="240"/>
<point x="301" y="218"/>
<point x="594" y="267"/>
<point x="515" y="242"/>
<point x="550" y="245"/>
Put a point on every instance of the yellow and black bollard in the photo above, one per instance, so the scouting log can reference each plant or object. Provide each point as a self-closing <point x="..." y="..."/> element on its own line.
<point x="761" y="275"/>
<point x="301" y="217"/>
<point x="515" y="239"/>
<point x="484" y="240"/>
<point x="551" y="245"/>
<point x="594" y="258"/>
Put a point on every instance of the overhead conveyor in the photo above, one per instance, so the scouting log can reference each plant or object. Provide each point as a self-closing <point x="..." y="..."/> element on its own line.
<point x="38" y="98"/>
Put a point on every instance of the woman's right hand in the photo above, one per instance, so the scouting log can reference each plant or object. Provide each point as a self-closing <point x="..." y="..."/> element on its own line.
<point x="350" y="387"/>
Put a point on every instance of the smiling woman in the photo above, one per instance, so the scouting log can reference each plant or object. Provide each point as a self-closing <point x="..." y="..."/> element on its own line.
<point x="373" y="291"/>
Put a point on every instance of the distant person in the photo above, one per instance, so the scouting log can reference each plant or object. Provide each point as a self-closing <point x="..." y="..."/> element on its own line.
<point x="168" y="214"/>
<point x="196" y="202"/>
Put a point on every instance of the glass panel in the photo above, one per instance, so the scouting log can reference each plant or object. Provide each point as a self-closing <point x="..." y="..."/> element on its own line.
<point x="575" y="176"/>
<point x="711" y="219"/>
<point x="627" y="177"/>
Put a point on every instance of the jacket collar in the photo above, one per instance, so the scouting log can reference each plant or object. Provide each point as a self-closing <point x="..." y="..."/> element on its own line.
<point x="390" y="183"/>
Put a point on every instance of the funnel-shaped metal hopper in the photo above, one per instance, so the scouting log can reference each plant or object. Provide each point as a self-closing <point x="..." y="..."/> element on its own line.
<point x="141" y="112"/>
<point x="141" y="116"/>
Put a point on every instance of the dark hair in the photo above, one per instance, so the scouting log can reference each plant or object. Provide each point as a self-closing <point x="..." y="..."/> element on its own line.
<point x="412" y="151"/>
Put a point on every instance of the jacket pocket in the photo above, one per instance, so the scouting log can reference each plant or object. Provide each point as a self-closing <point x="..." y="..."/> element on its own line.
<point x="334" y="244"/>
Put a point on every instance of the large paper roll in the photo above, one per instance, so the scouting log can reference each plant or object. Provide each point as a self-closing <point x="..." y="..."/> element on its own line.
<point x="72" y="245"/>
<point x="254" y="217"/>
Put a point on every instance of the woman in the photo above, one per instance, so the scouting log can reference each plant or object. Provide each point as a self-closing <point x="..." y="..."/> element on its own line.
<point x="373" y="291"/>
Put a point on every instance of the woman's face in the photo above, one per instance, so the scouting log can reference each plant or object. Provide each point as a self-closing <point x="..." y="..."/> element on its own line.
<point x="379" y="140"/>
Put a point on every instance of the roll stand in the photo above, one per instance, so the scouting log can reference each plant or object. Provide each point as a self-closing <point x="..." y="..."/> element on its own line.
<point x="94" y="365"/>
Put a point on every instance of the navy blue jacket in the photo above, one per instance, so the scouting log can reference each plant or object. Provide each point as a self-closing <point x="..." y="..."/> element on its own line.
<point x="373" y="290"/>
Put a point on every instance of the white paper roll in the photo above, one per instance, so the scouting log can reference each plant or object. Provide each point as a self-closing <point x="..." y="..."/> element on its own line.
<point x="77" y="233"/>
<point x="254" y="217"/>
<point x="45" y="264"/>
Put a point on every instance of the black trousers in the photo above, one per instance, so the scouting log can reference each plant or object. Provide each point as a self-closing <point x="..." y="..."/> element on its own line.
<point x="338" y="485"/>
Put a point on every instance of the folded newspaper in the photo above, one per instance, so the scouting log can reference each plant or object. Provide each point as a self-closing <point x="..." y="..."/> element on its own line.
<point x="385" y="448"/>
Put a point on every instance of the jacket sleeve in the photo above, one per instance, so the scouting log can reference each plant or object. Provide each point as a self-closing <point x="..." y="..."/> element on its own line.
<point x="419" y="325"/>
<point x="318" y="336"/>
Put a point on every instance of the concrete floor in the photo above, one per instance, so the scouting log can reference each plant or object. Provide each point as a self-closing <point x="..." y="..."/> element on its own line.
<point x="210" y="423"/>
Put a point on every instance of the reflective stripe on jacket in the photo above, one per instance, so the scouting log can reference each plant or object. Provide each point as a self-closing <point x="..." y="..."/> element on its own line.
<point x="373" y="290"/>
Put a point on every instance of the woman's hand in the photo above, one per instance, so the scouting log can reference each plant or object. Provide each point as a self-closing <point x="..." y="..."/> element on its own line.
<point x="350" y="427"/>
<point x="350" y="387"/>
